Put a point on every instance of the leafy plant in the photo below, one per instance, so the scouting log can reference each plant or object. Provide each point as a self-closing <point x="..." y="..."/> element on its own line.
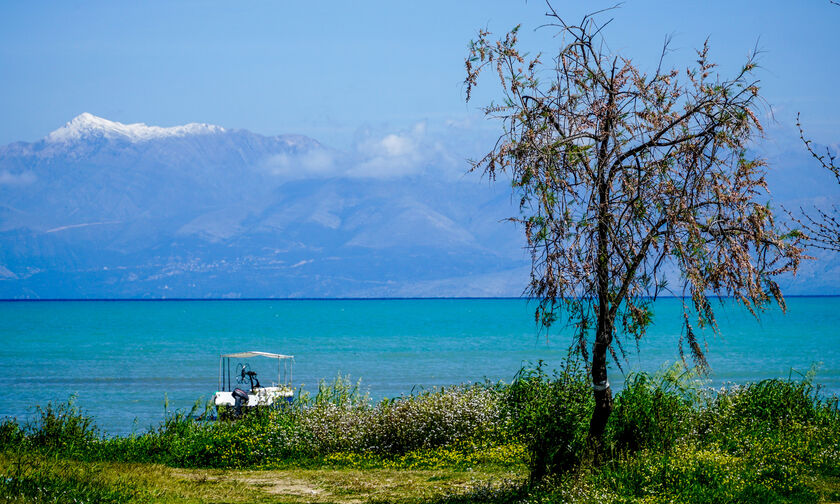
<point x="654" y="411"/>
<point x="550" y="416"/>
<point x="64" y="427"/>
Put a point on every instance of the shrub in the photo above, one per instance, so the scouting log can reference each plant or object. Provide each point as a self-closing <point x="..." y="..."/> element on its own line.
<point x="436" y="418"/>
<point x="551" y="416"/>
<point x="735" y="418"/>
<point x="64" y="427"/>
<point x="774" y="441"/>
<point x="11" y="433"/>
<point x="339" y="419"/>
<point x="653" y="411"/>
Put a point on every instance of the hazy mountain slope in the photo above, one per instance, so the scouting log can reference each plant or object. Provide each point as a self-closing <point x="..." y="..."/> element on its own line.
<point x="99" y="209"/>
<point x="102" y="209"/>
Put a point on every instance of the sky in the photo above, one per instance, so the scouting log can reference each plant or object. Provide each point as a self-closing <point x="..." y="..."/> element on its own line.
<point x="337" y="70"/>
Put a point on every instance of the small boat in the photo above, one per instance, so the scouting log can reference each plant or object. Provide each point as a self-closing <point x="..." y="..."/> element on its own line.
<point x="247" y="391"/>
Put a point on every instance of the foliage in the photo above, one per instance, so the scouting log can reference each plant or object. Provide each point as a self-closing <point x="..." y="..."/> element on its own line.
<point x="550" y="416"/>
<point x="775" y="422"/>
<point x="436" y="418"/>
<point x="444" y="417"/>
<point x="670" y="440"/>
<point x="31" y="479"/>
<point x="622" y="175"/>
<point x="339" y="419"/>
<point x="765" y="442"/>
<point x="654" y="412"/>
<point x="63" y="427"/>
<point x="11" y="433"/>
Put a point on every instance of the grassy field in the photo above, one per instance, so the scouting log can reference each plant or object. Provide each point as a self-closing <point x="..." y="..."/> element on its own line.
<point x="62" y="480"/>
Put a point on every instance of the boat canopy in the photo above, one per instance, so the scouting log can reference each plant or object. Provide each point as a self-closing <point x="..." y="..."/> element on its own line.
<point x="248" y="355"/>
<point x="285" y="363"/>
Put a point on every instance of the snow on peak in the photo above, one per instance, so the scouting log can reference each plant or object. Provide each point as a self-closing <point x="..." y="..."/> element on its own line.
<point x="86" y="125"/>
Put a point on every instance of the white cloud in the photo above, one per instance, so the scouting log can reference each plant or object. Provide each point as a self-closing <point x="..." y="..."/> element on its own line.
<point x="383" y="155"/>
<point x="393" y="155"/>
<point x="394" y="145"/>
<point x="312" y="164"/>
<point x="16" y="179"/>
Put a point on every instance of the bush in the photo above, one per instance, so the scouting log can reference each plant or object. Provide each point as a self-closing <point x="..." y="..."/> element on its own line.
<point x="339" y="419"/>
<point x="333" y="421"/>
<point x="11" y="433"/>
<point x="433" y="419"/>
<point x="551" y="416"/>
<point x="780" y="412"/>
<point x="65" y="428"/>
<point x="653" y="411"/>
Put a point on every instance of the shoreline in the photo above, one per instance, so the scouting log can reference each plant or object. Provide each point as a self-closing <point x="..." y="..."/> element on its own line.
<point x="442" y="298"/>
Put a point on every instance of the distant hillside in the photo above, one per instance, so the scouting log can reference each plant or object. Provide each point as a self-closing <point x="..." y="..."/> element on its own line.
<point x="100" y="209"/>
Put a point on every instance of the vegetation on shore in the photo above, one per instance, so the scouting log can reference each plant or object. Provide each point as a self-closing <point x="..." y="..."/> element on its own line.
<point x="669" y="440"/>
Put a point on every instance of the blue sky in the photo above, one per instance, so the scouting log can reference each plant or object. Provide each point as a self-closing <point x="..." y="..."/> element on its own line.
<point x="333" y="69"/>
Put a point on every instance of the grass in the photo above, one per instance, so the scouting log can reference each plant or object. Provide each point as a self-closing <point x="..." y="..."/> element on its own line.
<point x="143" y="482"/>
<point x="670" y="439"/>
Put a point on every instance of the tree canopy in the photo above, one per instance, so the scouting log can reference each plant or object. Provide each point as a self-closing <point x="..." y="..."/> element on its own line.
<point x="631" y="185"/>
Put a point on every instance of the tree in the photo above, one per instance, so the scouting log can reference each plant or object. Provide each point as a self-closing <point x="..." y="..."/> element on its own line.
<point x="621" y="176"/>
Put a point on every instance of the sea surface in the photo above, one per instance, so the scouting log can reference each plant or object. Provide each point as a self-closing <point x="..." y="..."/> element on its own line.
<point x="125" y="361"/>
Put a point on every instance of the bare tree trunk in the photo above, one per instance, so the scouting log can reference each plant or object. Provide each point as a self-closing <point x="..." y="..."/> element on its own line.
<point x="600" y="385"/>
<point x="604" y="330"/>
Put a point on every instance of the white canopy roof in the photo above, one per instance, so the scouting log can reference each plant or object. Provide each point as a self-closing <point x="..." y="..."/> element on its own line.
<point x="247" y="355"/>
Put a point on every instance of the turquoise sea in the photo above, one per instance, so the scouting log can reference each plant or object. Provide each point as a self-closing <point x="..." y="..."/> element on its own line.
<point x="121" y="359"/>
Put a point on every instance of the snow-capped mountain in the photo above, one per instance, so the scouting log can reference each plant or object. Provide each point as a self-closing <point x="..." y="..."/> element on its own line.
<point x="87" y="125"/>
<point x="101" y="209"/>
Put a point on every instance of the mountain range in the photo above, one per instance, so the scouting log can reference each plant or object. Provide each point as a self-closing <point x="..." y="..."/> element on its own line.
<point x="101" y="209"/>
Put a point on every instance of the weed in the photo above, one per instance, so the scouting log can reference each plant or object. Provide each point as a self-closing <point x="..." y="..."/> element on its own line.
<point x="550" y="416"/>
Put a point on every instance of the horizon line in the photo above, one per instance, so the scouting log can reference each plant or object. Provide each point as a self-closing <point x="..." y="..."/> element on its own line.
<point x="432" y="298"/>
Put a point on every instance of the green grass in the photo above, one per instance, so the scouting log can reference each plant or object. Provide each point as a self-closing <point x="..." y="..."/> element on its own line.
<point x="37" y="478"/>
<point x="670" y="439"/>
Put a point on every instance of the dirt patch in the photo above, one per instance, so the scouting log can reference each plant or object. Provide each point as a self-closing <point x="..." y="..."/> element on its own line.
<point x="280" y="485"/>
<point x="270" y="482"/>
<point x="341" y="486"/>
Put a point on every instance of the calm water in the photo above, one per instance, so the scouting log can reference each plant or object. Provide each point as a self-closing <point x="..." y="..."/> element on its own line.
<point x="121" y="358"/>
